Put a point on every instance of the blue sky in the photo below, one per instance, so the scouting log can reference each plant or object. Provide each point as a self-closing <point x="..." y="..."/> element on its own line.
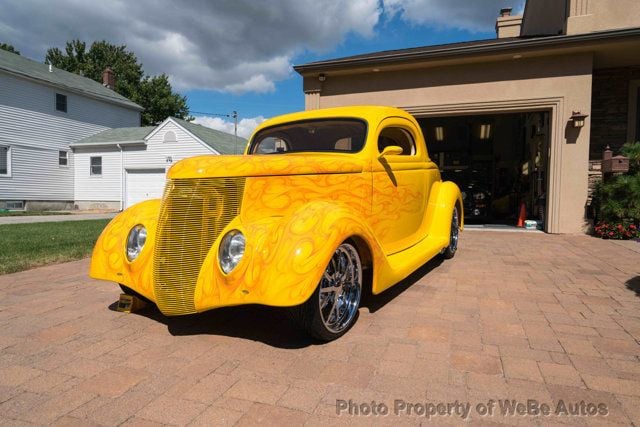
<point x="288" y="95"/>
<point x="227" y="55"/>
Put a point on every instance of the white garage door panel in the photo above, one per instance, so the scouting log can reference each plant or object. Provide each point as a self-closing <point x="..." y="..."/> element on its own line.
<point x="144" y="184"/>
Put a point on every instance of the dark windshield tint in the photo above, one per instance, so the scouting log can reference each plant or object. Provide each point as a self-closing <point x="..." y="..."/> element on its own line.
<point x="340" y="135"/>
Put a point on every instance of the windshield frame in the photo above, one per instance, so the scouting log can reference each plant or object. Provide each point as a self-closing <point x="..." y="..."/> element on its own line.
<point x="252" y="144"/>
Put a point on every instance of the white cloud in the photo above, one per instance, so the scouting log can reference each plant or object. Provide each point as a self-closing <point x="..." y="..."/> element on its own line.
<point x="245" y="126"/>
<point x="234" y="46"/>
<point x="475" y="16"/>
<point x="227" y="45"/>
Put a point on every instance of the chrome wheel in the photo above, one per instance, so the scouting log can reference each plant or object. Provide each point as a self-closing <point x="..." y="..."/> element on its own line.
<point x="450" y="250"/>
<point x="455" y="230"/>
<point x="340" y="289"/>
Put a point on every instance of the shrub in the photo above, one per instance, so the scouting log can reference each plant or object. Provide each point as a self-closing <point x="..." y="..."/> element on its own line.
<point x="616" y="231"/>
<point x="617" y="200"/>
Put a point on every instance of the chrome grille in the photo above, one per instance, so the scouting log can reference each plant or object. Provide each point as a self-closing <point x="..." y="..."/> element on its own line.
<point x="193" y="213"/>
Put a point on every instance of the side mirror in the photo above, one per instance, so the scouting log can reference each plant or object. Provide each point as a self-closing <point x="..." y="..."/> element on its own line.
<point x="391" y="150"/>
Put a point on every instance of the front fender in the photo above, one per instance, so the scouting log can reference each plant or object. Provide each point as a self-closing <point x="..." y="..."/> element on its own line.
<point x="109" y="260"/>
<point x="284" y="259"/>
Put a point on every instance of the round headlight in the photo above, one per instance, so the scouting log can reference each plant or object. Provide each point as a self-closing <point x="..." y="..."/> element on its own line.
<point x="231" y="250"/>
<point x="135" y="241"/>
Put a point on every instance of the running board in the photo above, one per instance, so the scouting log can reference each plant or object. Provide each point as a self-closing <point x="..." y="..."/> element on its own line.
<point x="402" y="264"/>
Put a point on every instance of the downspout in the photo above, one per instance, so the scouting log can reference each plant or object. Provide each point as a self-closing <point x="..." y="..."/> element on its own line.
<point x="121" y="177"/>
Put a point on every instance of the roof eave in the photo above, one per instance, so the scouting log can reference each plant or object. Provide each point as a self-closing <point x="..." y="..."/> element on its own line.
<point x="498" y="47"/>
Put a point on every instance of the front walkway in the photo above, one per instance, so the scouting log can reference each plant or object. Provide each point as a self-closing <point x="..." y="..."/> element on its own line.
<point x="513" y="316"/>
<point x="27" y="219"/>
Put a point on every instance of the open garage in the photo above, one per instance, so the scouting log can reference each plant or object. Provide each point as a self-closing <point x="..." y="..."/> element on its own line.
<point x="499" y="161"/>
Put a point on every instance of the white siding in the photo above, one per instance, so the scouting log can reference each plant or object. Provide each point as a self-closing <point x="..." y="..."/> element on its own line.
<point x="156" y="152"/>
<point x="152" y="156"/>
<point x="106" y="187"/>
<point x="30" y="124"/>
<point x="36" y="175"/>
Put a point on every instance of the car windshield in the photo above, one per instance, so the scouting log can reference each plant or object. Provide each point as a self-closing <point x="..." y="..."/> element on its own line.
<point x="334" y="135"/>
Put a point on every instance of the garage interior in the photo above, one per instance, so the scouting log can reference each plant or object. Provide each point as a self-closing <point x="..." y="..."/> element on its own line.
<point x="499" y="161"/>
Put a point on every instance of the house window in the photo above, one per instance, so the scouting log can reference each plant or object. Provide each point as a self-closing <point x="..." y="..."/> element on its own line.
<point x="14" y="205"/>
<point x="96" y="165"/>
<point x="63" y="158"/>
<point x="5" y="160"/>
<point x="61" y="102"/>
<point x="397" y="137"/>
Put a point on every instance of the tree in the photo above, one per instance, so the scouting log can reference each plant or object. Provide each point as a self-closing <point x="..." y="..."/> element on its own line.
<point x="154" y="93"/>
<point x="9" y="48"/>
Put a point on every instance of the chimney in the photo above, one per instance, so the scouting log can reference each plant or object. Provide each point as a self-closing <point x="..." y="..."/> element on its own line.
<point x="109" y="78"/>
<point x="507" y="25"/>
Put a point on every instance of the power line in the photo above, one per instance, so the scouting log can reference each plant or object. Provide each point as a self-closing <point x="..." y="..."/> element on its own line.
<point x="212" y="114"/>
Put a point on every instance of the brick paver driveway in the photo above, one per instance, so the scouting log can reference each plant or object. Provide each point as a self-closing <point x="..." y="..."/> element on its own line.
<point x="513" y="316"/>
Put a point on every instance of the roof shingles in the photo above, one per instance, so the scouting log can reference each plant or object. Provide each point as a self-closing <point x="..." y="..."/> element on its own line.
<point x="24" y="67"/>
<point x="221" y="142"/>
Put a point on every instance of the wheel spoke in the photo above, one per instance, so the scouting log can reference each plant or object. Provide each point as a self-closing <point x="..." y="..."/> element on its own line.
<point x="340" y="289"/>
<point x="327" y="289"/>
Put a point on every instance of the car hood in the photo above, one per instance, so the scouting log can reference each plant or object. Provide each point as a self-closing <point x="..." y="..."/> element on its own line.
<point x="217" y="166"/>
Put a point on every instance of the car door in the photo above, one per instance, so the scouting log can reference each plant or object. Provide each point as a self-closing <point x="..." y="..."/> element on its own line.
<point x="401" y="184"/>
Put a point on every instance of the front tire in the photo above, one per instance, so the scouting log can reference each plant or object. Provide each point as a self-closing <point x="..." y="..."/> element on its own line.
<point x="333" y="307"/>
<point x="451" y="249"/>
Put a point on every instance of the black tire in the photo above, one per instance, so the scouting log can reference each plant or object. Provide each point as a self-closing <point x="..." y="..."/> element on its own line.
<point x="450" y="251"/>
<point x="340" y="289"/>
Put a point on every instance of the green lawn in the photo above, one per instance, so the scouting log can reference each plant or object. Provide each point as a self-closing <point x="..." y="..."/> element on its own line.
<point x="24" y="246"/>
<point x="31" y="213"/>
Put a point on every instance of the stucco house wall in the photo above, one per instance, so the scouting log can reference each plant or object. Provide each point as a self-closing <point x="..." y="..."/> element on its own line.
<point x="561" y="85"/>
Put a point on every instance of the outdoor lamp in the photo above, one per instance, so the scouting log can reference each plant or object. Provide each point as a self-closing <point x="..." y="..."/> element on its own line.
<point x="322" y="77"/>
<point x="578" y="119"/>
<point x="439" y="133"/>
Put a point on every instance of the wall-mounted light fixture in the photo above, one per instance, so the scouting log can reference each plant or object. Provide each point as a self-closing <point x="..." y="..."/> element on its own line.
<point x="578" y="119"/>
<point x="439" y="131"/>
<point x="322" y="77"/>
<point x="169" y="159"/>
<point x="485" y="131"/>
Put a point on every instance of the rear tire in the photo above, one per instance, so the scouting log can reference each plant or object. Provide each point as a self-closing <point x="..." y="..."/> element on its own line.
<point x="332" y="309"/>
<point x="450" y="251"/>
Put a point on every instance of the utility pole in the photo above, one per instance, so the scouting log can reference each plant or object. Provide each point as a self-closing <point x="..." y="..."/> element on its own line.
<point x="235" y="131"/>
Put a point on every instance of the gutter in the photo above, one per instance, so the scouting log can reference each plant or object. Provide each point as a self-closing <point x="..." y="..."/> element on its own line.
<point x="106" y="143"/>
<point x="446" y="52"/>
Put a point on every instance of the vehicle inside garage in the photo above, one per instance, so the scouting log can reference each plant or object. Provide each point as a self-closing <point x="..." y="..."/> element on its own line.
<point x="499" y="161"/>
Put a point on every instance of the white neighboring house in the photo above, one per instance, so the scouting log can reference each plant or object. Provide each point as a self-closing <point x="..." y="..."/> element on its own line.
<point x="117" y="168"/>
<point x="42" y="110"/>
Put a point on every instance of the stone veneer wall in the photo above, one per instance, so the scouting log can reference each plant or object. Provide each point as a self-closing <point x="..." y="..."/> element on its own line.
<point x="609" y="109"/>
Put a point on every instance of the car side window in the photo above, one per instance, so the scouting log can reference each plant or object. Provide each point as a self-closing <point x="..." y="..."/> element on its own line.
<point x="398" y="137"/>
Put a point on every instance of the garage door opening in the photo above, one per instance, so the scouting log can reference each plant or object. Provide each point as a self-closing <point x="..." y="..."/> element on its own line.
<point x="499" y="161"/>
<point x="143" y="184"/>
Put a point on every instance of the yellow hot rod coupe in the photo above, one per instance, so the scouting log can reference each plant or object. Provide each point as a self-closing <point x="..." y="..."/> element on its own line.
<point x="318" y="198"/>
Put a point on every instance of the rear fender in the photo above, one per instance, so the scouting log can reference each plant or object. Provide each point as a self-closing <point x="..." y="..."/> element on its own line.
<point x="443" y="198"/>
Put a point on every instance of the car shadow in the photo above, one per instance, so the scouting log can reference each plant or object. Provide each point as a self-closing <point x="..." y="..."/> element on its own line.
<point x="633" y="284"/>
<point x="375" y="302"/>
<point x="270" y="325"/>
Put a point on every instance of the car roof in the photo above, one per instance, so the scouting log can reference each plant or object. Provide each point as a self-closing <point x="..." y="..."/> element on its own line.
<point x="369" y="113"/>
